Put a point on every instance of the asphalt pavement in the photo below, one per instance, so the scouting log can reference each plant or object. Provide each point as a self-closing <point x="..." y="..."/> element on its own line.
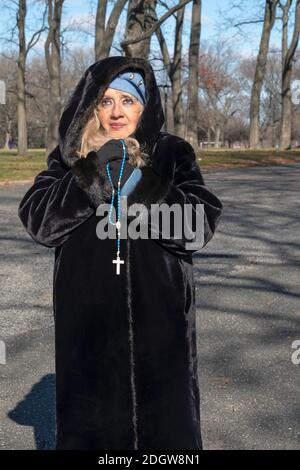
<point x="247" y="293"/>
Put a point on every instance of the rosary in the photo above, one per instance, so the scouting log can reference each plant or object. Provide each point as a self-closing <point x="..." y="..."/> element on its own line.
<point x="117" y="261"/>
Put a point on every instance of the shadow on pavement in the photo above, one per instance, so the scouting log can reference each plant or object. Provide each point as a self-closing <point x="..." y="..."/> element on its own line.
<point x="37" y="409"/>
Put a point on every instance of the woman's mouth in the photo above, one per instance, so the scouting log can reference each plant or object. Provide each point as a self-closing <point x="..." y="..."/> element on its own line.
<point x="117" y="126"/>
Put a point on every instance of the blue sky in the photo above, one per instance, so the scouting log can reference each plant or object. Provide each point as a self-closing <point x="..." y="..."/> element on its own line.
<point x="211" y="20"/>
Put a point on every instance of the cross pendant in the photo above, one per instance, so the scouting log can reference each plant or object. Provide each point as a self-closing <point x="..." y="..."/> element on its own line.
<point x="118" y="262"/>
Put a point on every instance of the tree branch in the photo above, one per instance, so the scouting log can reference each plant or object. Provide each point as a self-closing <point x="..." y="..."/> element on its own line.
<point x="36" y="36"/>
<point x="156" y="25"/>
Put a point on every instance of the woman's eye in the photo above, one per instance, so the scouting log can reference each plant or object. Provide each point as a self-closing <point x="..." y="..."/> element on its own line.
<point x="106" y="102"/>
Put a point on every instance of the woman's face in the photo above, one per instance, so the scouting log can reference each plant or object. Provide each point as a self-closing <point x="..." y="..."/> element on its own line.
<point x="119" y="113"/>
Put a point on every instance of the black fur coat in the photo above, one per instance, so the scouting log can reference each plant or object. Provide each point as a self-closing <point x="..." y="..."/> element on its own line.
<point x="125" y="345"/>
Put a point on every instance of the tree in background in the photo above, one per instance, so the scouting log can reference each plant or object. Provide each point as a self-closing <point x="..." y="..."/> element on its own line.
<point x="221" y="89"/>
<point x="288" y="58"/>
<point x="210" y="93"/>
<point x="15" y="41"/>
<point x="21" y="80"/>
<point x="260" y="70"/>
<point x="104" y="35"/>
<point x="53" y="61"/>
<point x="140" y="20"/>
<point x="191" y="128"/>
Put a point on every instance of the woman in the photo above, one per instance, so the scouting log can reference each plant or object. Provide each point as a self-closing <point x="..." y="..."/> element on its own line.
<point x="126" y="359"/>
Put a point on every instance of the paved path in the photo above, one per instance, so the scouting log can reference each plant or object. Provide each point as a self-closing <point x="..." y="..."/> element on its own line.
<point x="247" y="317"/>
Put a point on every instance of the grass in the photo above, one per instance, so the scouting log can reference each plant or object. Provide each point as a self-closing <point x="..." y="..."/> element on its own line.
<point x="229" y="158"/>
<point x="14" y="168"/>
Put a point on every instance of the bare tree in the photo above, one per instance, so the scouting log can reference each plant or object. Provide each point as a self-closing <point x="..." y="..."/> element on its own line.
<point x="19" y="10"/>
<point x="175" y="74"/>
<point x="193" y="82"/>
<point x="271" y="103"/>
<point x="156" y="25"/>
<point x="104" y="35"/>
<point x="22" y="121"/>
<point x="23" y="51"/>
<point x="221" y="89"/>
<point x="269" y="20"/>
<point x="144" y="14"/>
<point x="174" y="67"/>
<point x="53" y="61"/>
<point x="288" y="54"/>
<point x="140" y="19"/>
<point x="9" y="109"/>
<point x="244" y="13"/>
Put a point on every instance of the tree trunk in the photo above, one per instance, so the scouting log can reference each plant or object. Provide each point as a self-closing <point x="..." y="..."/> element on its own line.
<point x="269" y="19"/>
<point x="52" y="53"/>
<point x="166" y="109"/>
<point x="208" y="136"/>
<point x="104" y="36"/>
<point x="22" y="118"/>
<point x="100" y="28"/>
<point x="222" y="138"/>
<point x="193" y="84"/>
<point x="8" y="138"/>
<point x="217" y="136"/>
<point x="173" y="69"/>
<point x="287" y="65"/>
<point x="176" y="76"/>
<point x="140" y="18"/>
<point x="138" y="30"/>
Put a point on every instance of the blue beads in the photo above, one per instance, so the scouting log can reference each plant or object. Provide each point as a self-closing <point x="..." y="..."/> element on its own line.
<point x="118" y="190"/>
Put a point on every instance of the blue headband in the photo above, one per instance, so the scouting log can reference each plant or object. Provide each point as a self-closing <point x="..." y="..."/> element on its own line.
<point x="130" y="82"/>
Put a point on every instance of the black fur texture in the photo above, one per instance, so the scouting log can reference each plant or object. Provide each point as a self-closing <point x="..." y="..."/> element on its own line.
<point x="92" y="180"/>
<point x="125" y="344"/>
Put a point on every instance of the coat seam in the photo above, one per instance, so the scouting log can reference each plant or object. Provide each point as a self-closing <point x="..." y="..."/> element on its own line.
<point x="131" y="343"/>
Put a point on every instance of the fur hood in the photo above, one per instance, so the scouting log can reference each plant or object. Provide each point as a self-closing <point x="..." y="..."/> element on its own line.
<point x="171" y="173"/>
<point x="156" y="179"/>
<point x="87" y="95"/>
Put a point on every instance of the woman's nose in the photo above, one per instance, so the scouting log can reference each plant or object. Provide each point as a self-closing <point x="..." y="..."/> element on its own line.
<point x="116" y="110"/>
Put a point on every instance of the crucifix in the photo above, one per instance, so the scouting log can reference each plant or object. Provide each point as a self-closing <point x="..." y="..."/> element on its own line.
<point x="118" y="262"/>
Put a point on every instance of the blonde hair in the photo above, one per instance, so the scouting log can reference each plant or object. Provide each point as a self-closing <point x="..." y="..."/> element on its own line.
<point x="94" y="135"/>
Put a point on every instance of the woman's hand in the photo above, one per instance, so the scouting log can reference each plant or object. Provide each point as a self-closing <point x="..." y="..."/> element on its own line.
<point x="91" y="174"/>
<point x="112" y="152"/>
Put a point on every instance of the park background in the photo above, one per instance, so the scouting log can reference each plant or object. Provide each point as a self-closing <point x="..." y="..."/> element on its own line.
<point x="227" y="72"/>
